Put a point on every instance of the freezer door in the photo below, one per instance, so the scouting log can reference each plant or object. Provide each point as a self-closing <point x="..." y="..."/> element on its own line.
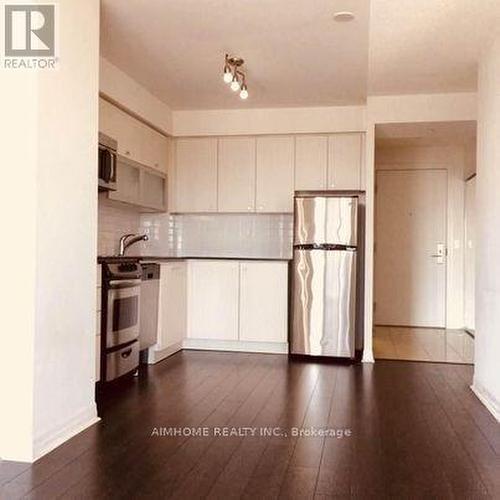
<point x="324" y="303"/>
<point x="326" y="220"/>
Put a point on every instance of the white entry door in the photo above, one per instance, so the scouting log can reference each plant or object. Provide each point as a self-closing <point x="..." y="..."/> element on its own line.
<point x="410" y="255"/>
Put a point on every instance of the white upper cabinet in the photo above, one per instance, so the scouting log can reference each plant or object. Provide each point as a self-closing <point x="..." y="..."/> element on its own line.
<point x="136" y="140"/>
<point x="236" y="175"/>
<point x="263" y="301"/>
<point x="213" y="300"/>
<point x="311" y="162"/>
<point x="196" y="175"/>
<point x="275" y="169"/>
<point x="344" y="161"/>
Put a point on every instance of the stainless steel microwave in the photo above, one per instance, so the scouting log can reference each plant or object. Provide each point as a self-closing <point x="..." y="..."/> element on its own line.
<point x="107" y="163"/>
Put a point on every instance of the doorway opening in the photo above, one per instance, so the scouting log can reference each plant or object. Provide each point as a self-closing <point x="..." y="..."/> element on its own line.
<point x="422" y="278"/>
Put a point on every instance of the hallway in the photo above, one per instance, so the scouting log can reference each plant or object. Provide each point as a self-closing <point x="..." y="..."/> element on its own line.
<point x="423" y="344"/>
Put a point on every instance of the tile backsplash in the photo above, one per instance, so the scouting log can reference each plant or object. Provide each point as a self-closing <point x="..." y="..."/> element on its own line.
<point x="114" y="220"/>
<point x="218" y="235"/>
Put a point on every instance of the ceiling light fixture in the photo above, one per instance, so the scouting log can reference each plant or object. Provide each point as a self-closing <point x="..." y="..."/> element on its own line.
<point x="343" y="16"/>
<point x="235" y="76"/>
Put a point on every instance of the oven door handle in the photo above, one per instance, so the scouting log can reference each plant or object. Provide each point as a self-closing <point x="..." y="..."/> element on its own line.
<point x="117" y="284"/>
<point x="127" y="353"/>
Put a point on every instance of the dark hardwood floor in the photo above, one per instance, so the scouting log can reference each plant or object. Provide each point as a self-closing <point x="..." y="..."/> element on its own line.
<point x="416" y="429"/>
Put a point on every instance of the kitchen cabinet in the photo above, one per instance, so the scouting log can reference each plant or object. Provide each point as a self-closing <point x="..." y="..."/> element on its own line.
<point x="311" y="162"/>
<point x="128" y="182"/>
<point x="275" y="170"/>
<point x="140" y="186"/>
<point x="213" y="300"/>
<point x="136" y="140"/>
<point x="236" y="174"/>
<point x="153" y="187"/>
<point x="263" y="301"/>
<point x="196" y="175"/>
<point x="173" y="304"/>
<point x="345" y="161"/>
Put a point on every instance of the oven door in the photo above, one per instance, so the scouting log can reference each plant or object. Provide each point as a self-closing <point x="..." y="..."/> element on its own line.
<point x="122" y="320"/>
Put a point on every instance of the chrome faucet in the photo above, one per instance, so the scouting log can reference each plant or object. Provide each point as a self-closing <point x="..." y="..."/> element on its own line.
<point x="125" y="242"/>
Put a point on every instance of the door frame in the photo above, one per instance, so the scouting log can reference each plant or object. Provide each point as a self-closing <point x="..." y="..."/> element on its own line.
<point x="392" y="168"/>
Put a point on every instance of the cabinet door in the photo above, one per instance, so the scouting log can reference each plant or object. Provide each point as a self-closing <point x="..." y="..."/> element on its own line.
<point x="213" y="300"/>
<point x="196" y="175"/>
<point x="154" y="146"/>
<point x="264" y="301"/>
<point x="274" y="187"/>
<point x="128" y="182"/>
<point x="236" y="174"/>
<point x="311" y="161"/>
<point x="173" y="304"/>
<point x="153" y="190"/>
<point x="344" y="161"/>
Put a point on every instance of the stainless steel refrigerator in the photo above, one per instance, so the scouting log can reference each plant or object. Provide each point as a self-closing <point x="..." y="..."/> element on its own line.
<point x="324" y="275"/>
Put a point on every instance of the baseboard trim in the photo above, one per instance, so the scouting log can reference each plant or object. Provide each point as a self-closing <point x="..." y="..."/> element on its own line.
<point x="236" y="345"/>
<point x="155" y="356"/>
<point x="50" y="440"/>
<point x="487" y="399"/>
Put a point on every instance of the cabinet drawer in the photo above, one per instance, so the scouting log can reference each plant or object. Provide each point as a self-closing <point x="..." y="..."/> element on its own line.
<point x="120" y="362"/>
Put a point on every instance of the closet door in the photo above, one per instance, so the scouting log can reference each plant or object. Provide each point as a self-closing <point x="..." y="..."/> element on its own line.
<point x="470" y="250"/>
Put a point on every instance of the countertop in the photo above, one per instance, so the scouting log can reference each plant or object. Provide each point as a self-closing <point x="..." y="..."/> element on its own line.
<point x="159" y="258"/>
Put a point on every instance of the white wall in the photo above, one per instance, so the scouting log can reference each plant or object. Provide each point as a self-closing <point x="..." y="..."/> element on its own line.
<point x="121" y="89"/>
<point x="269" y="121"/>
<point x="452" y="159"/>
<point x="487" y="345"/>
<point x="50" y="320"/>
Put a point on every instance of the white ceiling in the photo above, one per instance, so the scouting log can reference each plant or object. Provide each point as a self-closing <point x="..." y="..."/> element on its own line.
<point x="428" y="46"/>
<point x="295" y="54"/>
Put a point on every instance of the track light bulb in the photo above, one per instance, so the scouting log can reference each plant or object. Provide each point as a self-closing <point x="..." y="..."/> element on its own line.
<point x="235" y="84"/>
<point x="244" y="92"/>
<point x="228" y="75"/>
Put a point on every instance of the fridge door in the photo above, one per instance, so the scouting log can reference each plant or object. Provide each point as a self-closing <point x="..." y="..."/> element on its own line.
<point x="326" y="220"/>
<point x="324" y="303"/>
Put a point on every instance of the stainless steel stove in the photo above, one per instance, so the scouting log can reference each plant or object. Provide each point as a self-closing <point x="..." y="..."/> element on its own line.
<point x="121" y="294"/>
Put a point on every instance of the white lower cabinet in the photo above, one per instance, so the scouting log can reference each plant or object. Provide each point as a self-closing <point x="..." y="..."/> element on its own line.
<point x="263" y="301"/>
<point x="234" y="303"/>
<point x="173" y="304"/>
<point x="222" y="305"/>
<point x="213" y="300"/>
